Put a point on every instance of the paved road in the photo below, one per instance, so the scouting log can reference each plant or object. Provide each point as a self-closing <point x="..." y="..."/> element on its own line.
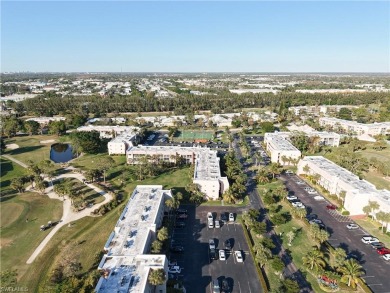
<point x="256" y="203"/>
<point x="68" y="215"/>
<point x="376" y="268"/>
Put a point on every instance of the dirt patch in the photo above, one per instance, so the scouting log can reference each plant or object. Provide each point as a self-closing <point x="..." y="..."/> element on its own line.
<point x="12" y="146"/>
<point x="48" y="141"/>
<point x="5" y="242"/>
<point x="10" y="212"/>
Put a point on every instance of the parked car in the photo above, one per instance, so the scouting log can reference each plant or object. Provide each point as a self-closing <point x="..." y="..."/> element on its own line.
<point x="383" y="251"/>
<point x="181" y="211"/>
<point x="172" y="262"/>
<point x="291" y="197"/>
<point x="311" y="217"/>
<point x="211" y="244"/>
<point x="216" y="288"/>
<point x="177" y="249"/>
<point x="225" y="286"/>
<point x="210" y="216"/>
<point x="217" y="225"/>
<point x="369" y="239"/>
<point x="238" y="256"/>
<point x="331" y="207"/>
<point x="315" y="221"/>
<point x="223" y="218"/>
<point x="319" y="197"/>
<point x="228" y="244"/>
<point x="211" y="224"/>
<point x="289" y="172"/>
<point x="307" y="188"/>
<point x="377" y="245"/>
<point x="213" y="254"/>
<point x="312" y="191"/>
<point x="180" y="224"/>
<point x="174" y="270"/>
<point x="296" y="204"/>
<point x="222" y="255"/>
<point x="352" y="226"/>
<point x="181" y="216"/>
<point x="386" y="256"/>
<point x="231" y="217"/>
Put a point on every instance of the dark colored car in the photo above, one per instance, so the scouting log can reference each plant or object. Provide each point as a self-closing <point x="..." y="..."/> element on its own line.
<point x="383" y="251"/>
<point x="311" y="217"/>
<point x="377" y="245"/>
<point x="213" y="254"/>
<point x="223" y="217"/>
<point x="181" y="211"/>
<point x="225" y="286"/>
<point x="331" y="207"/>
<point x="228" y="244"/>
<point x="181" y="216"/>
<point x="180" y="224"/>
<point x="177" y="249"/>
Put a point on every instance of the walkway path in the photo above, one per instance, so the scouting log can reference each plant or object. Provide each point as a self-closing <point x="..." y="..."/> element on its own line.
<point x="68" y="215"/>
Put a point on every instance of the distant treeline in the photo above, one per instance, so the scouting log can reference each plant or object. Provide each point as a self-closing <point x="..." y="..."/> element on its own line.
<point x="51" y="104"/>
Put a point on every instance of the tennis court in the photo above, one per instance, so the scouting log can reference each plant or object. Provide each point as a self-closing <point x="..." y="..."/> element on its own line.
<point x="186" y="135"/>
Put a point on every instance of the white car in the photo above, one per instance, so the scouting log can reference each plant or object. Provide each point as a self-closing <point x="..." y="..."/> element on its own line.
<point x="217" y="225"/>
<point x="238" y="256"/>
<point x="296" y="204"/>
<point x="312" y="191"/>
<point x="210" y="216"/>
<point x="222" y="255"/>
<point x="291" y="197"/>
<point x="319" y="197"/>
<point x="352" y="226"/>
<point x="386" y="256"/>
<point x="307" y="188"/>
<point x="369" y="239"/>
<point x="231" y="217"/>
<point x="174" y="270"/>
<point x="301" y="207"/>
<point x="211" y="224"/>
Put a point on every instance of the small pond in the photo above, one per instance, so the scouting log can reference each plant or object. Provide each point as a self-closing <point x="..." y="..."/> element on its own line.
<point x="61" y="153"/>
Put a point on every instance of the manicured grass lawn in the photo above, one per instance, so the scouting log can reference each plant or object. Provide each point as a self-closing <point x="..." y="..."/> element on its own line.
<point x="219" y="203"/>
<point x="30" y="147"/>
<point x="86" y="193"/>
<point x="378" y="180"/>
<point x="20" y="237"/>
<point x="9" y="170"/>
<point x="372" y="227"/>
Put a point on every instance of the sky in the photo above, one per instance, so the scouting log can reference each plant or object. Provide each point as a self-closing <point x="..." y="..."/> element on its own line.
<point x="185" y="36"/>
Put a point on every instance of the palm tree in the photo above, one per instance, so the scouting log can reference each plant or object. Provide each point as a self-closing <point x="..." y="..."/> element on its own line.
<point x="156" y="277"/>
<point x="262" y="253"/>
<point x="374" y="206"/>
<point x="274" y="169"/>
<point x="339" y="256"/>
<point x="367" y="210"/>
<point x="380" y="216"/>
<point x="322" y="236"/>
<point x="351" y="272"/>
<point x="314" y="260"/>
<point x="301" y="213"/>
<point x="342" y="195"/>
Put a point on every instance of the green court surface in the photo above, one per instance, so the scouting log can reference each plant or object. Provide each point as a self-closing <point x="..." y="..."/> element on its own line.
<point x="193" y="135"/>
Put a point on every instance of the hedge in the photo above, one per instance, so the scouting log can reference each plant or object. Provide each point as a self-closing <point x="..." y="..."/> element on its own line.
<point x="259" y="271"/>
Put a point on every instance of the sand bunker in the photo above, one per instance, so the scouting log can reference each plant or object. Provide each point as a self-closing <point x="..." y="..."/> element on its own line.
<point x="12" y="146"/>
<point x="47" y="141"/>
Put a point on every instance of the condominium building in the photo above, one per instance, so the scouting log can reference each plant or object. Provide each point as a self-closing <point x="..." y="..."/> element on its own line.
<point x="337" y="180"/>
<point x="126" y="264"/>
<point x="318" y="110"/>
<point x="324" y="137"/>
<point x="207" y="172"/>
<point x="119" y="144"/>
<point x="108" y="131"/>
<point x="46" y="120"/>
<point x="281" y="149"/>
<point x="353" y="127"/>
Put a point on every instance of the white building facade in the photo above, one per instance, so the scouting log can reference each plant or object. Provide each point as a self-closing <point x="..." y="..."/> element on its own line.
<point x="120" y="144"/>
<point x="207" y="173"/>
<point x="126" y="264"/>
<point x="108" y="131"/>
<point x="280" y="148"/>
<point x="337" y="180"/>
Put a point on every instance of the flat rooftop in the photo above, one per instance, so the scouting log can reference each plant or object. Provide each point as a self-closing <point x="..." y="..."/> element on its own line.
<point x="281" y="144"/>
<point x="125" y="264"/>
<point x="207" y="165"/>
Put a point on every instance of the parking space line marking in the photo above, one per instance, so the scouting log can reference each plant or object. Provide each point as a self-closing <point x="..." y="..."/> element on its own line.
<point x="375" y="284"/>
<point x="367" y="277"/>
<point x="239" y="286"/>
<point x="250" y="291"/>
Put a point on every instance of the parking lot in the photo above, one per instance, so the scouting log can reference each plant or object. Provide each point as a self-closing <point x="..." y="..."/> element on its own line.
<point x="376" y="268"/>
<point x="198" y="269"/>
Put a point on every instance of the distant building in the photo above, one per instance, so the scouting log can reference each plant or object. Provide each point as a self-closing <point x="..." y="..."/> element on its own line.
<point x="281" y="148"/>
<point x="324" y="137"/>
<point x="126" y="264"/>
<point x="337" y="180"/>
<point x="46" y="120"/>
<point x="353" y="127"/>
<point x="119" y="144"/>
<point x="108" y="131"/>
<point x="318" y="110"/>
<point x="207" y="172"/>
